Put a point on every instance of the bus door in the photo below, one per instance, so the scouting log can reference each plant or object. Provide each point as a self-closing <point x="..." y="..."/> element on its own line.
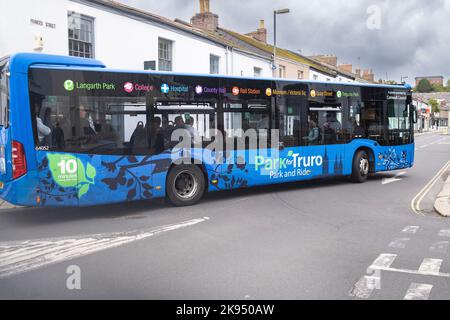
<point x="247" y="136"/>
<point x="329" y="143"/>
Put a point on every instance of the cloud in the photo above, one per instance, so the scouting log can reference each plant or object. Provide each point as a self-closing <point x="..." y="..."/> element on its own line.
<point x="413" y="38"/>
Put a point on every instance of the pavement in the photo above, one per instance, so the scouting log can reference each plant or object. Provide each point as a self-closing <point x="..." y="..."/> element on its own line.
<point x="442" y="203"/>
<point x="4" y="205"/>
<point x="327" y="239"/>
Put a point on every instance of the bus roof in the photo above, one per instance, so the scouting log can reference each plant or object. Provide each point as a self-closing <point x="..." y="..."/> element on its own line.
<point x="21" y="62"/>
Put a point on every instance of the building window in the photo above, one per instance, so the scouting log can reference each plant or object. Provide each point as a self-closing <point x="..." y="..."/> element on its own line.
<point x="150" y="65"/>
<point x="315" y="77"/>
<point x="282" y="72"/>
<point x="257" y="72"/>
<point x="81" y="35"/>
<point x="165" y="55"/>
<point x="300" y="74"/>
<point x="214" y="64"/>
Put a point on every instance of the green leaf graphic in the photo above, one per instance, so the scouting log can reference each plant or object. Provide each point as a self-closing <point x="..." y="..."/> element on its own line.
<point x="90" y="171"/>
<point x="83" y="190"/>
<point x="81" y="172"/>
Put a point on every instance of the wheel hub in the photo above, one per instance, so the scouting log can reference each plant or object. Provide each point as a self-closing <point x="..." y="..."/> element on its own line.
<point x="185" y="185"/>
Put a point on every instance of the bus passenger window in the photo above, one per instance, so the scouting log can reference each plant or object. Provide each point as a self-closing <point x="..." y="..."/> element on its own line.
<point x="324" y="125"/>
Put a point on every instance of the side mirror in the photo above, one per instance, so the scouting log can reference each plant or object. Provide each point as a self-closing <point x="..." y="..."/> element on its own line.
<point x="415" y="116"/>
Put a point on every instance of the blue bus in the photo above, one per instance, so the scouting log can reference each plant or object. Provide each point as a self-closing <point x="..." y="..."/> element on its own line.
<point x="75" y="133"/>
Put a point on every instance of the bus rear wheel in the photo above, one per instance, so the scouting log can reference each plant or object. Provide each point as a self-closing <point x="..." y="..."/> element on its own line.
<point x="185" y="185"/>
<point x="361" y="167"/>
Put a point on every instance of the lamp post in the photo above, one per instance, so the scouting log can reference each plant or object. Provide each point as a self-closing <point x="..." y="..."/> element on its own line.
<point x="401" y="79"/>
<point x="275" y="13"/>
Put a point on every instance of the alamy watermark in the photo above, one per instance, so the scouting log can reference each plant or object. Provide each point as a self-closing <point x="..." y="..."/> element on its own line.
<point x="374" y="20"/>
<point x="73" y="282"/>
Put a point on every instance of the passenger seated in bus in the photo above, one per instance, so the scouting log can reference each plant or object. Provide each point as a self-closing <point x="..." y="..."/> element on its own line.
<point x="313" y="137"/>
<point x="334" y="122"/>
<point x="179" y="123"/>
<point x="86" y="122"/>
<point x="156" y="135"/>
<point x="195" y="137"/>
<point x="43" y="130"/>
<point x="58" y="137"/>
<point x="86" y="133"/>
<point x="139" y="137"/>
<point x="329" y="135"/>
<point x="358" y="131"/>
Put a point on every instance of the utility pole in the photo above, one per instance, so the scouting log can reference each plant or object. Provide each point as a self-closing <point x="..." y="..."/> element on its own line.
<point x="275" y="13"/>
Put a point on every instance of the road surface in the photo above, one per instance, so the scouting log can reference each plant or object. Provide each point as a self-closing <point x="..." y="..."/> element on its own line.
<point x="314" y="240"/>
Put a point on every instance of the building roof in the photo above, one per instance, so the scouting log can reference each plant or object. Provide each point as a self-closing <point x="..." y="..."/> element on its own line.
<point x="283" y="53"/>
<point x="224" y="37"/>
<point x="430" y="77"/>
<point x="136" y="13"/>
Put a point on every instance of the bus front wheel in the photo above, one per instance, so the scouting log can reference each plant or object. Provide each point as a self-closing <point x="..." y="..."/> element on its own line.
<point x="361" y="167"/>
<point x="185" y="185"/>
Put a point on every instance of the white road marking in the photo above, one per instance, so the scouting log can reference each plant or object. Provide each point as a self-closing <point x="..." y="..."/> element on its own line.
<point x="418" y="291"/>
<point x="438" y="141"/>
<point x="384" y="260"/>
<point x="440" y="247"/>
<point x="415" y="202"/>
<point x="410" y="229"/>
<point x="22" y="256"/>
<point x="444" y="233"/>
<point x="396" y="178"/>
<point x="363" y="288"/>
<point x="399" y="243"/>
<point x="430" y="266"/>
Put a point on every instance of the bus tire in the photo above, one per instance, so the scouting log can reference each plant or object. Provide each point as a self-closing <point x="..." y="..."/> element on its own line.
<point x="185" y="185"/>
<point x="361" y="167"/>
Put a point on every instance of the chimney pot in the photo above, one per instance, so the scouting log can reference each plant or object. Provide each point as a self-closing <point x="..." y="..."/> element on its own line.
<point x="204" y="6"/>
<point x="262" y="24"/>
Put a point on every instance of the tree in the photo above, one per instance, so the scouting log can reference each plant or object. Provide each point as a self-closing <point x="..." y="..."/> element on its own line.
<point x="424" y="86"/>
<point x="434" y="105"/>
<point x="448" y="85"/>
<point x="438" y="88"/>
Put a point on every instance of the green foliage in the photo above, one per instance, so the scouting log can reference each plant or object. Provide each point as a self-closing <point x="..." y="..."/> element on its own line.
<point x="434" y="105"/>
<point x="424" y="86"/>
<point x="438" y="88"/>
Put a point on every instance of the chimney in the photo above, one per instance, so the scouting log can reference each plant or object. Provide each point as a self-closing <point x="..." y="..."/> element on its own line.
<point x="368" y="75"/>
<point x="261" y="33"/>
<point x="328" y="59"/>
<point x="346" y="68"/>
<point x="205" y="19"/>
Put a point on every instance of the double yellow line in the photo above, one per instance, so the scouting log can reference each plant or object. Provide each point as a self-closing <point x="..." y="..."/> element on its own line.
<point x="415" y="203"/>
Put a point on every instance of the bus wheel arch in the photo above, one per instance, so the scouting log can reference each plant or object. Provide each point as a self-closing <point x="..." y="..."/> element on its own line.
<point x="186" y="183"/>
<point x="363" y="164"/>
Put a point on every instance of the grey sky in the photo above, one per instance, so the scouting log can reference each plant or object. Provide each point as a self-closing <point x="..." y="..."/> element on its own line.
<point x="413" y="39"/>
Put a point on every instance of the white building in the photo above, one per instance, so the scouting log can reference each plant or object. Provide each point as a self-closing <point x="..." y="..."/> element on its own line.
<point x="424" y="121"/>
<point x="121" y="37"/>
